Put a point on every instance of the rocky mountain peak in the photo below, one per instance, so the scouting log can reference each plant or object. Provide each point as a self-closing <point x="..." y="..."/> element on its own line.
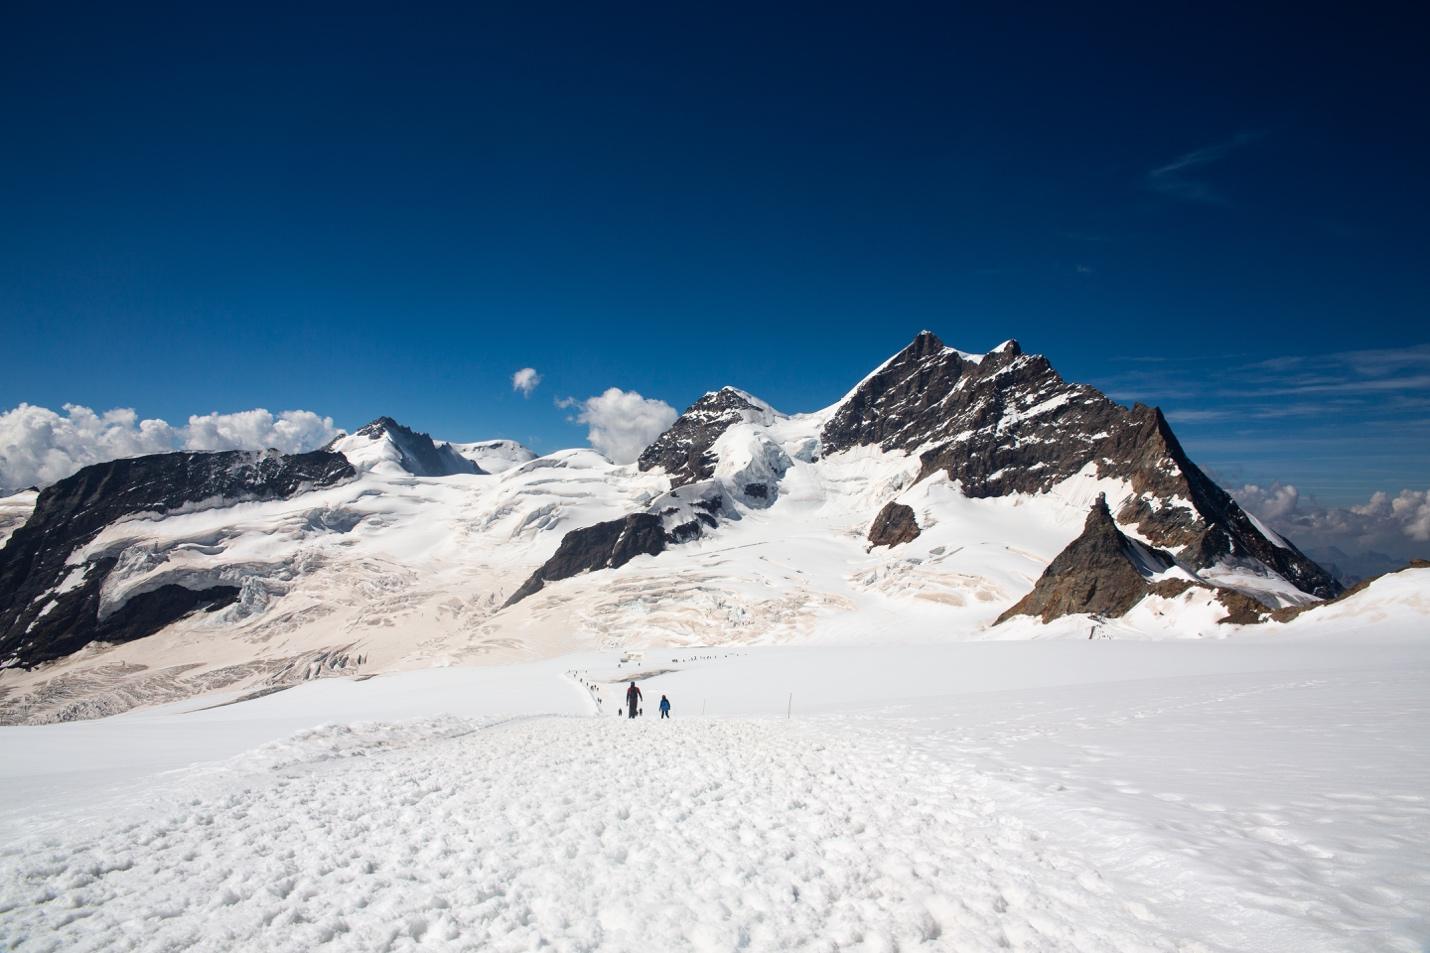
<point x="386" y="445"/>
<point x="684" y="451"/>
<point x="903" y="402"/>
<point x="1006" y="422"/>
<point x="380" y="426"/>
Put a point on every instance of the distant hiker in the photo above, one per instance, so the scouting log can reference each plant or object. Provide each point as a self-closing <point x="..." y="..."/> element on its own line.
<point x="633" y="697"/>
<point x="664" y="707"/>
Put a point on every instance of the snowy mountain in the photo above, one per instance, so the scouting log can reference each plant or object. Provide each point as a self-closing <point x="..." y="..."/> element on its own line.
<point x="494" y="456"/>
<point x="948" y="495"/>
<point x="385" y="446"/>
<point x="15" y="510"/>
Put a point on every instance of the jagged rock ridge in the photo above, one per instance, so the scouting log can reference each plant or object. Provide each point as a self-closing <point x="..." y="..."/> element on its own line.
<point x="1008" y="423"/>
<point x="49" y="608"/>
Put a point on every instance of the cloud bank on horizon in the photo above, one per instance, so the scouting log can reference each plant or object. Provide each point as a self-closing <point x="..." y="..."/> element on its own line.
<point x="39" y="446"/>
<point x="1356" y="541"/>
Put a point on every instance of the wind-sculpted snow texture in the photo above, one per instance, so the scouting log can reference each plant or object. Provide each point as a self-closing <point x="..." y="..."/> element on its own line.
<point x="49" y="607"/>
<point x="1006" y="423"/>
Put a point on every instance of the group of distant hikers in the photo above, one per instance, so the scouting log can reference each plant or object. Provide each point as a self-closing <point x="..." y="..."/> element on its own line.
<point x="633" y="702"/>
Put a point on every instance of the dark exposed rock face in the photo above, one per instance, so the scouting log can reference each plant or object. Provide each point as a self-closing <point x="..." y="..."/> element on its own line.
<point x="420" y="455"/>
<point x="601" y="546"/>
<point x="1101" y="572"/>
<point x="1008" y="423"/>
<point x="895" y="524"/>
<point x="72" y="511"/>
<point x="683" y="451"/>
<point x="1241" y="609"/>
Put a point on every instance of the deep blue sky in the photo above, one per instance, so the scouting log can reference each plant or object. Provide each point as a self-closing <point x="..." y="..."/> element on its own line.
<point x="365" y="210"/>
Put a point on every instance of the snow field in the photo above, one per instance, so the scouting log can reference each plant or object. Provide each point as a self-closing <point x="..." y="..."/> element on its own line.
<point x="1204" y="797"/>
<point x="573" y="835"/>
<point x="1274" y="811"/>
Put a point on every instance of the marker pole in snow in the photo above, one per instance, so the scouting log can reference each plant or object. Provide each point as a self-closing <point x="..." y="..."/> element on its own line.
<point x="789" y="706"/>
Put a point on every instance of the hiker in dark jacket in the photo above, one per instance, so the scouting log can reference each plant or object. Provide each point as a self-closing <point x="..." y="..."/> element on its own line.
<point x="633" y="697"/>
<point x="664" y="707"/>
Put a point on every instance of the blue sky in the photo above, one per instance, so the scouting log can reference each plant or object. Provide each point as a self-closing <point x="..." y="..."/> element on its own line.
<point x="360" y="210"/>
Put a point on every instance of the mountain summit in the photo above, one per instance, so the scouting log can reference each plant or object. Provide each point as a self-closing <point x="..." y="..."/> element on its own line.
<point x="387" y="445"/>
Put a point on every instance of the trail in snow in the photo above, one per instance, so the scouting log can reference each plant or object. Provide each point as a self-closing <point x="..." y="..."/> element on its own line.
<point x="578" y="834"/>
<point x="1107" y="797"/>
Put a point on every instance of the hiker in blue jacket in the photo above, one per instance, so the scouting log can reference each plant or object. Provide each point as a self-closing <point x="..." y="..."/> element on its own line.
<point x="664" y="707"/>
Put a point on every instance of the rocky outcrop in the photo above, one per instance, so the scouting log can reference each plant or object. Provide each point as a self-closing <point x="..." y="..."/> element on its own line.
<point x="1242" y="609"/>
<point x="895" y="524"/>
<point x="601" y="546"/>
<point x="50" y="608"/>
<point x="1102" y="572"/>
<point x="1007" y="423"/>
<point x="684" y="451"/>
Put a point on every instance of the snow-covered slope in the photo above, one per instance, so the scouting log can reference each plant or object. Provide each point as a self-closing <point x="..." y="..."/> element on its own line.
<point x="1209" y="797"/>
<point x="14" y="511"/>
<point x="740" y="525"/>
<point x="386" y="446"/>
<point x="494" y="456"/>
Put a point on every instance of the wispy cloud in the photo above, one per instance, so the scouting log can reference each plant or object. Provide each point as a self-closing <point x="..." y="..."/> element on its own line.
<point x="1178" y="178"/>
<point x="1394" y="379"/>
<point x="1341" y="422"/>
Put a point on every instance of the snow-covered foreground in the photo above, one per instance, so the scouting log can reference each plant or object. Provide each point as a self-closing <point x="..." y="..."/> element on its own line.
<point x="1040" y="796"/>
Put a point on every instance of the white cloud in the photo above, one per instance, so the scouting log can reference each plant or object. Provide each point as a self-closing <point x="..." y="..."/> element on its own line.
<point x="39" y="446"/>
<point x="622" y="423"/>
<point x="525" y="381"/>
<point x="1388" y="527"/>
<point x="1410" y="510"/>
